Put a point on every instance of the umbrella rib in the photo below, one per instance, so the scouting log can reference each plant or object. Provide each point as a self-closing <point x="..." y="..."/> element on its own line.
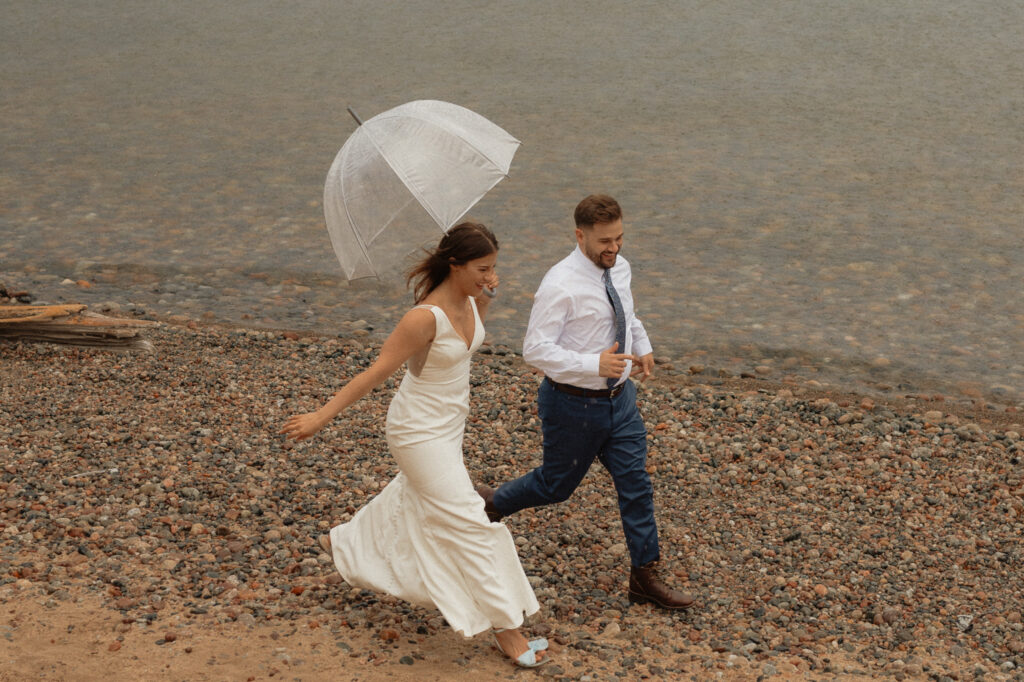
<point x="405" y="182"/>
<point x="504" y="174"/>
<point x="461" y="139"/>
<point x="355" y="232"/>
<point x="394" y="215"/>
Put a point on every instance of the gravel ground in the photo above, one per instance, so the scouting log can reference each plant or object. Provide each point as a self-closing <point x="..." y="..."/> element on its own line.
<point x="827" y="535"/>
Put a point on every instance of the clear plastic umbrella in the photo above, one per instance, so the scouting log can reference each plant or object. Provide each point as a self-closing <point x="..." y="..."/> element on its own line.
<point x="404" y="177"/>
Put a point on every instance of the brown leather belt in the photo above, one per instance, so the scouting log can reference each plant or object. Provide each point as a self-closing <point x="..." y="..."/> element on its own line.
<point x="586" y="392"/>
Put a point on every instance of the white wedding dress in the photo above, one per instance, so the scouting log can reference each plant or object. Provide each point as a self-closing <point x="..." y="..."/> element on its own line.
<point x="425" y="538"/>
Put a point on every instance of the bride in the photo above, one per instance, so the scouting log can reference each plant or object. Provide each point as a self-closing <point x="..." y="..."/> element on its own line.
<point x="425" y="538"/>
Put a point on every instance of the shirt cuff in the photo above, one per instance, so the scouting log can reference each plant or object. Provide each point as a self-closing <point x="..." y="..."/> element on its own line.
<point x="592" y="364"/>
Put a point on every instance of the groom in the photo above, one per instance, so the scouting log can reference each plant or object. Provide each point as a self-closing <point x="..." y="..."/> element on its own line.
<point x="585" y="338"/>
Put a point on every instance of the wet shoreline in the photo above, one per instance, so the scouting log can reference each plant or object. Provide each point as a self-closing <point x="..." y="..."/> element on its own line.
<point x="325" y="306"/>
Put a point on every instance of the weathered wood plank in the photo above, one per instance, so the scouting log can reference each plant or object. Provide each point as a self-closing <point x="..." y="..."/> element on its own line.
<point x="36" y="313"/>
<point x="71" y="325"/>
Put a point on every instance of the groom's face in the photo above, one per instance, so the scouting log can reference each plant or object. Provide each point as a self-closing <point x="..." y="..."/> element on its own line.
<point x="601" y="242"/>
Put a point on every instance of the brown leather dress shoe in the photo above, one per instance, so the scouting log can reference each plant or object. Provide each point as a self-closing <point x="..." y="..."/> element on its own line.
<point x="493" y="515"/>
<point x="646" y="586"/>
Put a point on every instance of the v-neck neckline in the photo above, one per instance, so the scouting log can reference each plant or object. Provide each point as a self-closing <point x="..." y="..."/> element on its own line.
<point x="469" y="344"/>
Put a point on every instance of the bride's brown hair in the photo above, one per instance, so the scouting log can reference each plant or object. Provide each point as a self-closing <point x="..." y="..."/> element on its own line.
<point x="465" y="242"/>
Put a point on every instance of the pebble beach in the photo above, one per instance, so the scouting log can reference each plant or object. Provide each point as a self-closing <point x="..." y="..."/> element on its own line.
<point x="154" y="526"/>
<point x="823" y="207"/>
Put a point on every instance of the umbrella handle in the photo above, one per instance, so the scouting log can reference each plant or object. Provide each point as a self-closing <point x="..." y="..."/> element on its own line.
<point x="355" y="116"/>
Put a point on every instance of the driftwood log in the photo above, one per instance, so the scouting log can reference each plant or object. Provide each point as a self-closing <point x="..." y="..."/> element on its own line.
<point x="71" y="325"/>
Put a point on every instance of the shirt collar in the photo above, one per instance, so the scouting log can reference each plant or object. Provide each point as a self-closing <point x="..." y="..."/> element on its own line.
<point x="585" y="265"/>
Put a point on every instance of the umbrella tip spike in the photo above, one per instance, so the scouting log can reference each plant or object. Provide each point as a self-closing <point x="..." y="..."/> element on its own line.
<point x="355" y="115"/>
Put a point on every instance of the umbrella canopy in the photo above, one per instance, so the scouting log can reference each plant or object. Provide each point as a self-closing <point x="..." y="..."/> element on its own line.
<point x="404" y="177"/>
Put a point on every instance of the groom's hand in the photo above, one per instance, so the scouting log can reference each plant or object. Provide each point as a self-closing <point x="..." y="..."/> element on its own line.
<point x="644" y="366"/>
<point x="613" y="364"/>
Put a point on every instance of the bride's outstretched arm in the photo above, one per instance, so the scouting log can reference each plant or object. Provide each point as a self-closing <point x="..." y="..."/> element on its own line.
<point x="414" y="332"/>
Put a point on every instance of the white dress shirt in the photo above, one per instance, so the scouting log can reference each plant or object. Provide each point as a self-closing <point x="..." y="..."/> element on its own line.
<point x="572" y="322"/>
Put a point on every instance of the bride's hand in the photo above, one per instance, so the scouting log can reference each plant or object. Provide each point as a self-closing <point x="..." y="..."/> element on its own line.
<point x="491" y="286"/>
<point x="302" y="426"/>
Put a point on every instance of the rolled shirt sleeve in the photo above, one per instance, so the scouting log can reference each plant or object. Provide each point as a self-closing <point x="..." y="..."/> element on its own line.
<point x="641" y="343"/>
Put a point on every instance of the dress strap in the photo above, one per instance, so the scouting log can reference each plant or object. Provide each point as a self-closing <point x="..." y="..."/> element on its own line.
<point x="436" y="310"/>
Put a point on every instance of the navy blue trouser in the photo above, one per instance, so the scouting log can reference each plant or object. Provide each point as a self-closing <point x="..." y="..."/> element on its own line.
<point x="576" y="430"/>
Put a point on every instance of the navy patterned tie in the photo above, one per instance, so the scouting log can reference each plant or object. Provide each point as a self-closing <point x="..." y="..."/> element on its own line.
<point x="620" y="318"/>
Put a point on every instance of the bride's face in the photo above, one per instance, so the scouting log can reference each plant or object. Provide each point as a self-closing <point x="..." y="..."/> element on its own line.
<point x="472" y="277"/>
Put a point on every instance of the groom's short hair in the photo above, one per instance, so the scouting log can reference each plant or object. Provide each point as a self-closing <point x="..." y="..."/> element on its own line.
<point x="597" y="208"/>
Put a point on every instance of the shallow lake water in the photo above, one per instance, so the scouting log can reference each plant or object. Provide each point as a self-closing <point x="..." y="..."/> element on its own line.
<point x="830" y="191"/>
